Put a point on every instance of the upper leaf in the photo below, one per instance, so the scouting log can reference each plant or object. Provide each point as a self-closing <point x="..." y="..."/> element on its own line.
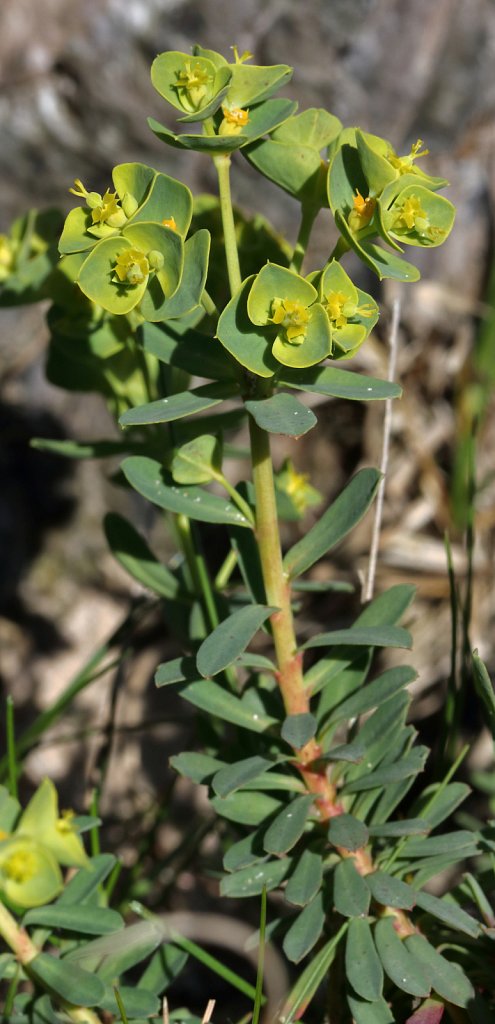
<point x="230" y="638"/>
<point x="347" y="510"/>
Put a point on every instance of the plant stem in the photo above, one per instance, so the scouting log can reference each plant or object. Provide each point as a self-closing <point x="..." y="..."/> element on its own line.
<point x="309" y="213"/>
<point x="225" y="571"/>
<point x="209" y="305"/>
<point x="237" y="498"/>
<point x="222" y="164"/>
<point x="277" y="588"/>
<point x="197" y="567"/>
<point x="339" y="250"/>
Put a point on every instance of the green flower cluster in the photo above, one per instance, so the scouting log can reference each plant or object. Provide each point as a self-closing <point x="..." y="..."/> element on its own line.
<point x="279" y="317"/>
<point x="232" y="101"/>
<point x="33" y="847"/>
<point x="373" y="193"/>
<point x="128" y="245"/>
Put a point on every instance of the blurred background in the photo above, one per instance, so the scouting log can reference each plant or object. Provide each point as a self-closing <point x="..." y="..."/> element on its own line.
<point x="75" y="93"/>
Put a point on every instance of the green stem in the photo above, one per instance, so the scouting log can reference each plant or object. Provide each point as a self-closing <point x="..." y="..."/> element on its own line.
<point x="222" y="164"/>
<point x="308" y="217"/>
<point x="208" y="305"/>
<point x="225" y="571"/>
<point x="237" y="498"/>
<point x="339" y="250"/>
<point x="197" y="568"/>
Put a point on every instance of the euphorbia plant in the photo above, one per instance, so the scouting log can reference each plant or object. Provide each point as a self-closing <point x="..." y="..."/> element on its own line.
<point x="311" y="760"/>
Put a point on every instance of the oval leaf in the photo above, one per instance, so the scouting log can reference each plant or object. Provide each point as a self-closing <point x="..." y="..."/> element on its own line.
<point x="347" y="832"/>
<point x="364" y="636"/>
<point x="362" y="963"/>
<point x="390" y="892"/>
<point x="251" y="881"/>
<point x="398" y="963"/>
<point x="282" y="414"/>
<point x="288" y="826"/>
<point x="71" y="983"/>
<point x="448" y="979"/>
<point x="216" y="701"/>
<point x="87" y="920"/>
<point x="297" y="730"/>
<point x="230" y="638"/>
<point x="233" y="776"/>
<point x="134" y="555"/>
<point x="246" y="807"/>
<point x="351" y="896"/>
<point x="336" y="383"/>
<point x="306" y="880"/>
<point x="344" y="513"/>
<point x="305" y="931"/>
<point x="448" y="913"/>
<point x="148" y="478"/>
<point x="176" y="406"/>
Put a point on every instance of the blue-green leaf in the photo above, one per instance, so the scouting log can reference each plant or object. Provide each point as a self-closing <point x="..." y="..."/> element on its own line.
<point x="252" y="880"/>
<point x="405" y="768"/>
<point x="306" y="879"/>
<point x="86" y="881"/>
<point x="73" y="984"/>
<point x="134" y="555"/>
<point x="165" y="410"/>
<point x="230" y="638"/>
<point x="376" y="693"/>
<point x="362" y="636"/>
<point x="305" y="931"/>
<point x="149" y="479"/>
<point x="398" y="963"/>
<point x="219" y="702"/>
<point x="347" y="832"/>
<point x="449" y="913"/>
<point x="390" y="891"/>
<point x="200" y="768"/>
<point x="362" y="963"/>
<point x="351" y="896"/>
<point x="232" y="776"/>
<point x="336" y="383"/>
<point x="297" y="730"/>
<point x="288" y="826"/>
<point x="344" y="513"/>
<point x="448" y="979"/>
<point x="282" y="414"/>
<point x="87" y="920"/>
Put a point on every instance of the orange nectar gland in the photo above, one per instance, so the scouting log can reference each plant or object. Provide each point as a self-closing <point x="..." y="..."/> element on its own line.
<point x="403" y="164"/>
<point x="340" y="308"/>
<point x="292" y="317"/>
<point x="362" y="212"/>
<point x="410" y="216"/>
<point x="104" y="209"/>
<point x="193" y="82"/>
<point x="234" y="120"/>
<point x="169" y="222"/>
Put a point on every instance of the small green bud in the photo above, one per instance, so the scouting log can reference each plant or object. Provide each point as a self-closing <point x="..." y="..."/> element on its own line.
<point x="155" y="259"/>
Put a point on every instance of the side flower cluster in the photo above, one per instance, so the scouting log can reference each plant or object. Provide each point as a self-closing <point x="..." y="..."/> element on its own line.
<point x="34" y="846"/>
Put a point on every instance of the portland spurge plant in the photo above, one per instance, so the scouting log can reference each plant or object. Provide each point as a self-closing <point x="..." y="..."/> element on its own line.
<point x="172" y="308"/>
